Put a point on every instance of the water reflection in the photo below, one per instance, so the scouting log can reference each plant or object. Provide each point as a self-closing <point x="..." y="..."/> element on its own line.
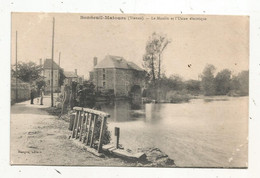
<point x="120" y="111"/>
<point x="153" y="112"/>
<point x="207" y="100"/>
<point x="125" y="111"/>
<point x="199" y="133"/>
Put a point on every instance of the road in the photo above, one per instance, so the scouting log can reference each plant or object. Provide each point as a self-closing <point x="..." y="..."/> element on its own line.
<point x="38" y="138"/>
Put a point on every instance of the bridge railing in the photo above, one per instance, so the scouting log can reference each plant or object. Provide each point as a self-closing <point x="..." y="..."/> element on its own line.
<point x="85" y="126"/>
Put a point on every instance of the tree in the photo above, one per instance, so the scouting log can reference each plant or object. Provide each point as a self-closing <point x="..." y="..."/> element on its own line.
<point x="162" y="44"/>
<point x="240" y="84"/>
<point x="150" y="62"/>
<point x="193" y="86"/>
<point x="243" y="79"/>
<point x="152" y="59"/>
<point x="61" y="76"/>
<point x="40" y="83"/>
<point x="207" y="82"/>
<point x="176" y="82"/>
<point x="27" y="72"/>
<point x="223" y="82"/>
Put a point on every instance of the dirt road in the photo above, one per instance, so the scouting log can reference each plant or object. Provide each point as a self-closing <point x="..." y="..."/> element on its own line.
<point x="38" y="138"/>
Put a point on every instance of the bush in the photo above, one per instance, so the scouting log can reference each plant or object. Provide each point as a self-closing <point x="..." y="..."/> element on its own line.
<point x="178" y="96"/>
<point x="106" y="135"/>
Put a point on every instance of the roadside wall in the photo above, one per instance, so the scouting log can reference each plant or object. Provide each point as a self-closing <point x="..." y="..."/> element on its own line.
<point x="23" y="90"/>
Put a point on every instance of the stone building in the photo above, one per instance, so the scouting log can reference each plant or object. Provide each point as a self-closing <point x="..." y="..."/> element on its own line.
<point x="71" y="76"/>
<point x="118" y="75"/>
<point x="47" y="75"/>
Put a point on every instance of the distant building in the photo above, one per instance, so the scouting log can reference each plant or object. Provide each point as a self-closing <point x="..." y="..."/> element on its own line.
<point x="47" y="74"/>
<point x="118" y="75"/>
<point x="72" y="77"/>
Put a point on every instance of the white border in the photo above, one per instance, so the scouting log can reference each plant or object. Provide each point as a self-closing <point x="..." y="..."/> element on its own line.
<point x="221" y="7"/>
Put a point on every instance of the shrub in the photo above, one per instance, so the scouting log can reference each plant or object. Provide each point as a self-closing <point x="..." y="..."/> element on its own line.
<point x="178" y="96"/>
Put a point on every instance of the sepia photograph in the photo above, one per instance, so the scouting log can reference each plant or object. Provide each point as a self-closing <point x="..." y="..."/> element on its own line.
<point x="129" y="90"/>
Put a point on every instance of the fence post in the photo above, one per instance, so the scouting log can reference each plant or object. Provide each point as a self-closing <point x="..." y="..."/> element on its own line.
<point x="81" y="125"/>
<point x="85" y="129"/>
<point x="93" y="131"/>
<point x="78" y="122"/>
<point x="74" y="125"/>
<point x="89" y="127"/>
<point x="117" y="134"/>
<point x="101" y="133"/>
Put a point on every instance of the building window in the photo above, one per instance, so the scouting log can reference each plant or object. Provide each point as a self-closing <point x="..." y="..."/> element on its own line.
<point x="104" y="70"/>
<point x="104" y="84"/>
<point x="104" y="76"/>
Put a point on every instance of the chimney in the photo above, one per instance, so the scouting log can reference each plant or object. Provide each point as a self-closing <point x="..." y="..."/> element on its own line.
<point x="95" y="60"/>
<point x="40" y="61"/>
<point x="76" y="71"/>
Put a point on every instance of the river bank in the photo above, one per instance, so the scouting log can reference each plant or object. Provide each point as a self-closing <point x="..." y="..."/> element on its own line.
<point x="38" y="138"/>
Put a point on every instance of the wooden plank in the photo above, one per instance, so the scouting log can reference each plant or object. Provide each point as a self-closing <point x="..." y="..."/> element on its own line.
<point x="128" y="155"/>
<point x="74" y="125"/>
<point x="85" y="128"/>
<point x="101" y="134"/>
<point x="87" y="148"/>
<point x="81" y="126"/>
<point x="93" y="131"/>
<point x="107" y="147"/>
<point x="72" y="118"/>
<point x="78" y="122"/>
<point x="89" y="127"/>
<point x="100" y="113"/>
<point x="111" y="149"/>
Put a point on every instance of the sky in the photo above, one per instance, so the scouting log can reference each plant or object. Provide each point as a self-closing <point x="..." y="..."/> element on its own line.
<point x="219" y="40"/>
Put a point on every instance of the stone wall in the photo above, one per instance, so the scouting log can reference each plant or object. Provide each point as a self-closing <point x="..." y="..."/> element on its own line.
<point x="119" y="80"/>
<point x="23" y="91"/>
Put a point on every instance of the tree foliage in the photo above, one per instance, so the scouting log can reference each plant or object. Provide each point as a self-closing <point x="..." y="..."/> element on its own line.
<point x="27" y="72"/>
<point x="223" y="82"/>
<point x="207" y="82"/>
<point x="61" y="76"/>
<point x="40" y="83"/>
<point x="193" y="86"/>
<point x="152" y="58"/>
<point x="240" y="83"/>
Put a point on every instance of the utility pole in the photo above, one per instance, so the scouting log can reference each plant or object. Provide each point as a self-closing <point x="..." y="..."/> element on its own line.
<point x="52" y="56"/>
<point x="16" y="90"/>
<point x="59" y="72"/>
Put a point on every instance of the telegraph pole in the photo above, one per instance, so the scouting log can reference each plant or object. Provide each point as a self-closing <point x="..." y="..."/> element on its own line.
<point x="16" y="90"/>
<point x="52" y="56"/>
<point x="59" y="72"/>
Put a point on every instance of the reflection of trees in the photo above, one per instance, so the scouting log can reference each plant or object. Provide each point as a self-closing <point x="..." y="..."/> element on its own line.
<point x="152" y="112"/>
<point x="119" y="110"/>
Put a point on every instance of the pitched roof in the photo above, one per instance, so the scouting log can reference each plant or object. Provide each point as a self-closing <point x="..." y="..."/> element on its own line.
<point x="117" y="62"/>
<point x="70" y="74"/>
<point x="134" y="66"/>
<point x="47" y="64"/>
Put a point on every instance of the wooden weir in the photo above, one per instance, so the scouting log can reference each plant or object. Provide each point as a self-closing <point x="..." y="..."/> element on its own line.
<point x="85" y="125"/>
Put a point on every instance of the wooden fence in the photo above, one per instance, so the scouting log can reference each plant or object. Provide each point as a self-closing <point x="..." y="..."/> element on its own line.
<point x="85" y="126"/>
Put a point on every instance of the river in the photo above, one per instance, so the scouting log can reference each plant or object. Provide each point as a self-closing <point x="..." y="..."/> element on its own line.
<point x="209" y="132"/>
